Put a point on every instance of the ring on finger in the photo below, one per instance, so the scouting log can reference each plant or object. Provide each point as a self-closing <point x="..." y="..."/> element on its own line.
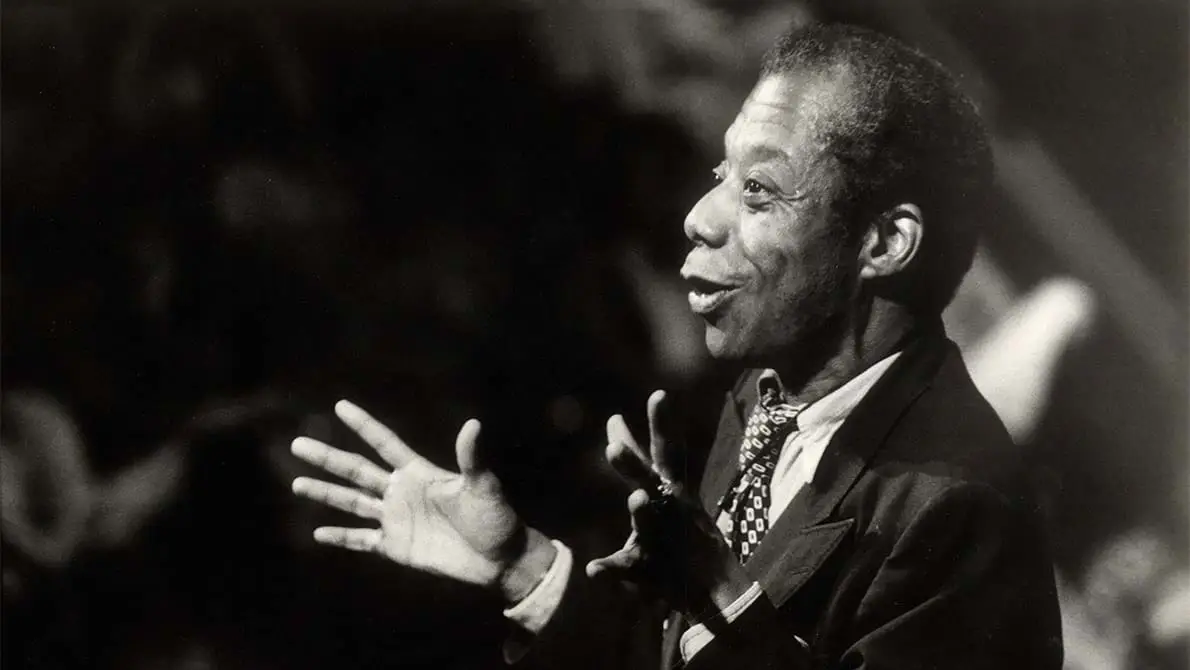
<point x="665" y="487"/>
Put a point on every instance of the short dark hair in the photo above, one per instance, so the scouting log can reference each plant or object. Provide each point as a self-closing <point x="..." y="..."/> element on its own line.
<point x="905" y="133"/>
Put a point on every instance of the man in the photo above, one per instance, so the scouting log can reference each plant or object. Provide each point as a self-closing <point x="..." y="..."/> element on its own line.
<point x="862" y="506"/>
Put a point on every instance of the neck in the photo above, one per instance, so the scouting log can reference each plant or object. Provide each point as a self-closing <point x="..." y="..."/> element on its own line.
<point x="865" y="338"/>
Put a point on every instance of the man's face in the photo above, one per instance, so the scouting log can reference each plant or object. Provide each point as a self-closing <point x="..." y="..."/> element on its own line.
<point x="770" y="270"/>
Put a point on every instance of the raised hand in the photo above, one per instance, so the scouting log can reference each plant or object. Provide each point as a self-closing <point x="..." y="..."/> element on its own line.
<point x="645" y="472"/>
<point x="453" y="524"/>
<point x="674" y="550"/>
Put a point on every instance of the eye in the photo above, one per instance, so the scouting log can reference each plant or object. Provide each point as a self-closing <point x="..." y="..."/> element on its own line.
<point x="753" y="187"/>
<point x="719" y="172"/>
<point x="755" y="195"/>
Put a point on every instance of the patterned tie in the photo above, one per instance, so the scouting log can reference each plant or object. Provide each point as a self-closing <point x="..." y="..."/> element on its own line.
<point x="747" y="504"/>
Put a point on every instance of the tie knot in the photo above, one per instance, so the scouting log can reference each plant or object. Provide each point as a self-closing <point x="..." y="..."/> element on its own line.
<point x="769" y="389"/>
<point x="771" y="395"/>
<point x="772" y="420"/>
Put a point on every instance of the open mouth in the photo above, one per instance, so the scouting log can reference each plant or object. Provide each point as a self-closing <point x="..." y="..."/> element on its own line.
<point x="706" y="296"/>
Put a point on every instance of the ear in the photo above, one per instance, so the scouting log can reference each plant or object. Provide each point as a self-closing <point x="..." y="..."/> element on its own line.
<point x="891" y="242"/>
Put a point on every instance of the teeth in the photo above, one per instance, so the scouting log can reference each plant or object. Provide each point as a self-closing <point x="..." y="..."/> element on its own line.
<point x="703" y="302"/>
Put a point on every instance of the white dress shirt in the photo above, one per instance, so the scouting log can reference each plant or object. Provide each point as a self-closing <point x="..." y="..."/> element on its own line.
<point x="796" y="465"/>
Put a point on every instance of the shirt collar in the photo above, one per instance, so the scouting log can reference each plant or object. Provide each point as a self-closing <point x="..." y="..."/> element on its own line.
<point x="836" y="405"/>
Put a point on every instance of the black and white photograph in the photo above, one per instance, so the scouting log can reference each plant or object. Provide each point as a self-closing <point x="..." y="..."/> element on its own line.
<point x="641" y="334"/>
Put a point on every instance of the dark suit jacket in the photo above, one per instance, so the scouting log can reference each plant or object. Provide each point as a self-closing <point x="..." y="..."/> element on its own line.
<point x="918" y="544"/>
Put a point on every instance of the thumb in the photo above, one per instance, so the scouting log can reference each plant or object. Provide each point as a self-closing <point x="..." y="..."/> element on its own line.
<point x="467" y="455"/>
<point x="619" y="565"/>
<point x="624" y="562"/>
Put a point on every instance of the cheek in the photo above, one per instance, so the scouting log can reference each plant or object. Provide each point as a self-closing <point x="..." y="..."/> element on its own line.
<point x="770" y="254"/>
<point x="798" y="271"/>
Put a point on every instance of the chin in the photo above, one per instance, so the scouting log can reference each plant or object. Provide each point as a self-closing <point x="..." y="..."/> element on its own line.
<point x="721" y="346"/>
<point x="715" y="343"/>
<point x="750" y="351"/>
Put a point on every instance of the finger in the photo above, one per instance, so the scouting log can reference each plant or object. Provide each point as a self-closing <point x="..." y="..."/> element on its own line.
<point x="467" y="455"/>
<point x="386" y="443"/>
<point x="339" y="497"/>
<point x="637" y="500"/>
<point x="465" y="448"/>
<point x="643" y="523"/>
<point x="631" y="467"/>
<point x="356" y="539"/>
<point x="663" y="443"/>
<point x="643" y="515"/>
<point x="617" y="431"/>
<point x="616" y="565"/>
<point x="620" y="564"/>
<point x="352" y="467"/>
<point x="627" y="558"/>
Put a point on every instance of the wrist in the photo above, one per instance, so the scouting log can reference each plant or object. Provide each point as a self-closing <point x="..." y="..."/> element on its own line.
<point x="523" y="573"/>
<point x="726" y="595"/>
<point x="730" y="584"/>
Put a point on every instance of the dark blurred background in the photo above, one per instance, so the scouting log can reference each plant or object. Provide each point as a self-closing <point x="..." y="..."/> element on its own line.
<point x="218" y="221"/>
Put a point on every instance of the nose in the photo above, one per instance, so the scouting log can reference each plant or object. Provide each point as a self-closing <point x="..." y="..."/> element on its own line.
<point x="709" y="222"/>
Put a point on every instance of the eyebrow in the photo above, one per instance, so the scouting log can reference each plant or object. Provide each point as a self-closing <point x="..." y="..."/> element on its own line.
<point x="763" y="152"/>
<point x="800" y="175"/>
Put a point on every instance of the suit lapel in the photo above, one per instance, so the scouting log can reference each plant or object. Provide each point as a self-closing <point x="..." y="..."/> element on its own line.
<point x="799" y="542"/>
<point x="723" y="459"/>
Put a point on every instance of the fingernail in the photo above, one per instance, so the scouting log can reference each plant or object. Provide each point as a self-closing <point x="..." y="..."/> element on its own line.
<point x="613" y="450"/>
<point x="614" y="421"/>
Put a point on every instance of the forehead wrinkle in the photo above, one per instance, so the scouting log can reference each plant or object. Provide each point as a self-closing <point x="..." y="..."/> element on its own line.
<point x="761" y="145"/>
<point x="803" y="152"/>
<point x="744" y="117"/>
<point x="818" y="101"/>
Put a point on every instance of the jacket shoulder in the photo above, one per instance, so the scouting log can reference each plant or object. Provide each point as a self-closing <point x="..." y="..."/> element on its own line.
<point x="950" y="437"/>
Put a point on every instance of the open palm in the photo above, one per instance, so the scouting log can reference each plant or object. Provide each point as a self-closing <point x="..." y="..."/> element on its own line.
<point x="453" y="524"/>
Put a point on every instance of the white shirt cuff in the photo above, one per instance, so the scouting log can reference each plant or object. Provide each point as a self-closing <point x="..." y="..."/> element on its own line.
<point x="698" y="636"/>
<point x="536" y="610"/>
